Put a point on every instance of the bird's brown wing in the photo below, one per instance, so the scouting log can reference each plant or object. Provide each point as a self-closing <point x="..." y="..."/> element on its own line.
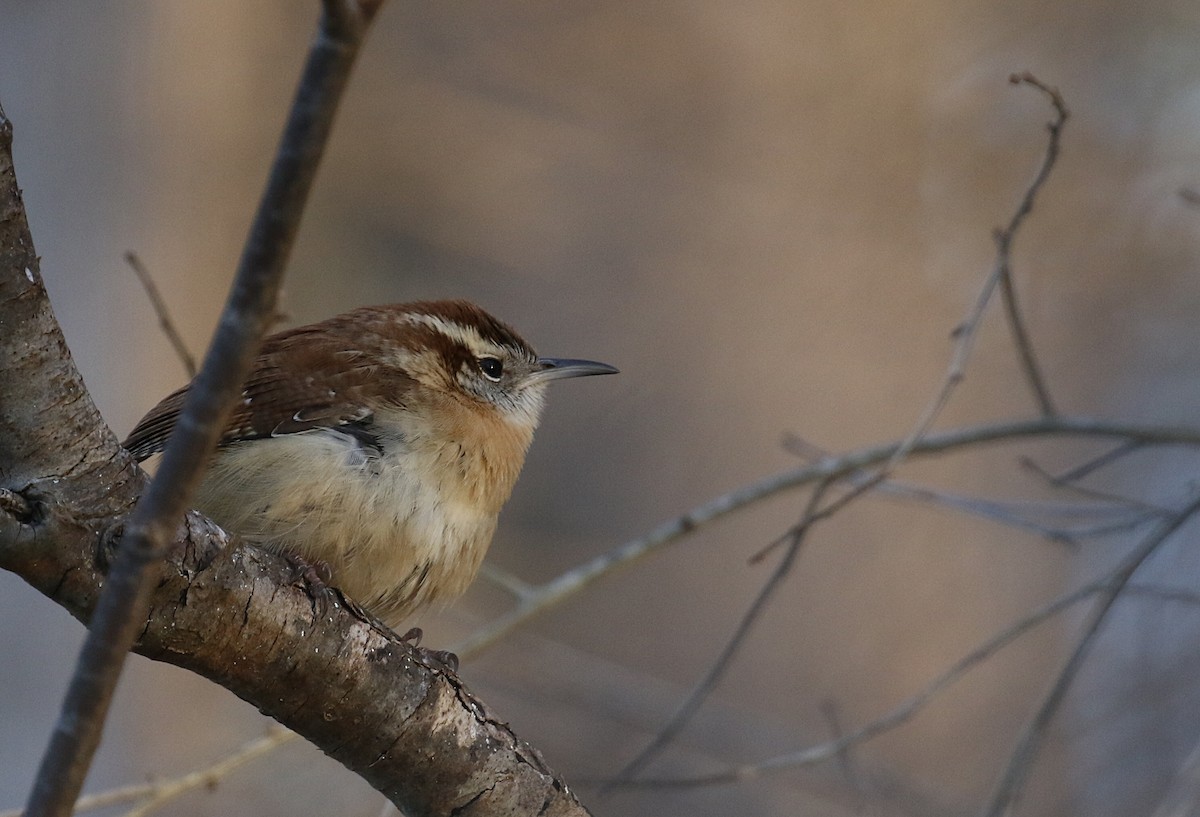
<point x="302" y="380"/>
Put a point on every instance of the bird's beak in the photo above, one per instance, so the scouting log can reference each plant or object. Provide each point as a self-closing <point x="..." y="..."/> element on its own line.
<point x="554" y="368"/>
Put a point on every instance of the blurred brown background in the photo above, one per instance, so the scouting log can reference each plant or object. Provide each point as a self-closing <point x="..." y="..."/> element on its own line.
<point x="769" y="215"/>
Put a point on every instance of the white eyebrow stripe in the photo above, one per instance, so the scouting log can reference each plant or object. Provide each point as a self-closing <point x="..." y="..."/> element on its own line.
<point x="466" y="335"/>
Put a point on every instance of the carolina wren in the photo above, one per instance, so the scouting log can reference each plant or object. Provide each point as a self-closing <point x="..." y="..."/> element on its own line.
<point x="382" y="442"/>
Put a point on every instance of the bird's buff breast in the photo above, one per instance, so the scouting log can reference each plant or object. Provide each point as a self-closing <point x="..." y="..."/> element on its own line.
<point x="399" y="531"/>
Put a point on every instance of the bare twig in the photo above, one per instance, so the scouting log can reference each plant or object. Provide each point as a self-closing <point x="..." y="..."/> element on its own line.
<point x="1006" y="236"/>
<point x="908" y="709"/>
<point x="1013" y="781"/>
<point x="845" y="760"/>
<point x="165" y="322"/>
<point x="122" y="607"/>
<point x="1090" y="466"/>
<point x="966" y="332"/>
<point x="725" y="658"/>
<point x="899" y="715"/>
<point x="158" y="793"/>
<point x="1126" y="512"/>
<point x="1065" y="484"/>
<point x="167" y="790"/>
<point x="1024" y="515"/>
<point x="548" y="595"/>
<point x="1001" y="275"/>
<point x="517" y="587"/>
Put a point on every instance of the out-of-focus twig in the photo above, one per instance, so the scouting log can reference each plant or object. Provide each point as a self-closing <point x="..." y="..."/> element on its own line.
<point x="163" y="791"/>
<point x="1072" y="485"/>
<point x="165" y="321"/>
<point x="1006" y="236"/>
<point x="899" y="715"/>
<point x="724" y="659"/>
<point x="546" y="596"/>
<point x="1012" y="783"/>
<point x="967" y="331"/>
<point x="912" y="706"/>
<point x="1077" y="472"/>
<point x="158" y="793"/>
<point x="1122" y="513"/>
<point x="1107" y="517"/>
<point x="845" y="759"/>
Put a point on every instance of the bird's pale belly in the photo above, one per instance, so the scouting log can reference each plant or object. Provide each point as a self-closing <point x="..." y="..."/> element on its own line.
<point x="393" y="543"/>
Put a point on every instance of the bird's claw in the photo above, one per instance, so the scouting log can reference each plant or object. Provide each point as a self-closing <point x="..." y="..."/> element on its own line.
<point x="439" y="659"/>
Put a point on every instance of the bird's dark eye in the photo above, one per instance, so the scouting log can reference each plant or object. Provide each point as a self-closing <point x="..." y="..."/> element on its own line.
<point x="491" y="367"/>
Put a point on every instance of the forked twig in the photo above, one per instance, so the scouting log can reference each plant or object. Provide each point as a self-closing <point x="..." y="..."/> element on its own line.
<point x="1087" y="467"/>
<point x="1069" y="484"/>
<point x="548" y="595"/>
<point x="1108" y="516"/>
<point x="905" y="711"/>
<point x="966" y="332"/>
<point x="1006" y="236"/>
<point x="1125" y="512"/>
<point x="898" y="716"/>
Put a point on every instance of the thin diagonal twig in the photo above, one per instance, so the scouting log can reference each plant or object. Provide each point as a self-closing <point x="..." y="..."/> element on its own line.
<point x="1012" y="783"/>
<point x="165" y="791"/>
<point x="158" y="793"/>
<point x="898" y="716"/>
<point x="912" y="706"/>
<point x="165" y="321"/>
<point x="725" y="658"/>
<point x="123" y="604"/>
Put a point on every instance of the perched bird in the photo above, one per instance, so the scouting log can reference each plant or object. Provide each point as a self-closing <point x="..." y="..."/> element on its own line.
<point x="381" y="443"/>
